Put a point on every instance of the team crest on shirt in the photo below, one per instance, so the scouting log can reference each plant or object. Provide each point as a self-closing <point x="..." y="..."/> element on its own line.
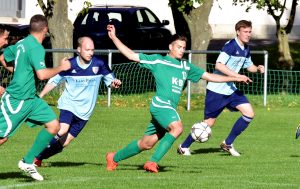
<point x="95" y="70"/>
<point x="42" y="64"/>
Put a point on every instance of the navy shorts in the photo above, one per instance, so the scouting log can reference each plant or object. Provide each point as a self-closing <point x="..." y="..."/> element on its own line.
<point x="76" y="124"/>
<point x="215" y="103"/>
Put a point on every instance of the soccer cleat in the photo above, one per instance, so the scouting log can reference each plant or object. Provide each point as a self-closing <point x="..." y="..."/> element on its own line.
<point x="298" y="132"/>
<point x="110" y="163"/>
<point x="151" y="167"/>
<point x="229" y="148"/>
<point x="183" y="151"/>
<point x="30" y="169"/>
<point x="37" y="162"/>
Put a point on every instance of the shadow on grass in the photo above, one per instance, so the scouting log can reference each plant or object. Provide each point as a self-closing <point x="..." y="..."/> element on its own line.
<point x="67" y="164"/>
<point x="126" y="167"/>
<point x="15" y="175"/>
<point x="206" y="150"/>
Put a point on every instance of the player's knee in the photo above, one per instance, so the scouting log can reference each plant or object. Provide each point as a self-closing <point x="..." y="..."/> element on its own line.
<point x="176" y="129"/>
<point x="3" y="140"/>
<point x="53" y="127"/>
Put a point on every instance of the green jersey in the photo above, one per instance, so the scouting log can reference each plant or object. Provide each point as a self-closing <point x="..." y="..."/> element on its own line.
<point x="170" y="75"/>
<point x="29" y="56"/>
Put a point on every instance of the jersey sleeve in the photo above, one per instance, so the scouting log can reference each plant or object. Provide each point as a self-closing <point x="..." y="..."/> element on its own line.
<point x="9" y="54"/>
<point x="195" y="73"/>
<point x="56" y="80"/>
<point x="148" y="61"/>
<point x="37" y="56"/>
<point x="108" y="79"/>
<point x="223" y="57"/>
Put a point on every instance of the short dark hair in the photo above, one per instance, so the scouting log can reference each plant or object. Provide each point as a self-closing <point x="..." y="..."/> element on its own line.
<point x="243" y="24"/>
<point x="3" y="28"/>
<point x="176" y="37"/>
<point x="37" y="23"/>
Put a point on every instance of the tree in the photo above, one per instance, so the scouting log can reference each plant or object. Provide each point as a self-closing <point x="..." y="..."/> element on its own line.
<point x="277" y="8"/>
<point x="200" y="32"/>
<point x="60" y="27"/>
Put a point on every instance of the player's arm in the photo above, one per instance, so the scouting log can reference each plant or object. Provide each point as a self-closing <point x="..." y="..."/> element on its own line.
<point x="220" y="78"/>
<point x="5" y="65"/>
<point x="116" y="83"/>
<point x="121" y="47"/>
<point x="48" y="87"/>
<point x="47" y="73"/>
<point x="254" y="69"/>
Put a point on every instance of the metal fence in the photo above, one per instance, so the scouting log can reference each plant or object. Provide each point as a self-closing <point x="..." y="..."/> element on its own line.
<point x="138" y="80"/>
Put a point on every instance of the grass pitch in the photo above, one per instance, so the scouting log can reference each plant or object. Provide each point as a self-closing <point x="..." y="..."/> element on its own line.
<point x="270" y="155"/>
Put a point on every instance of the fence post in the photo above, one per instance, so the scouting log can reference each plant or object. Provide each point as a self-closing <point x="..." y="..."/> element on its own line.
<point x="108" y="88"/>
<point x="266" y="56"/>
<point x="189" y="88"/>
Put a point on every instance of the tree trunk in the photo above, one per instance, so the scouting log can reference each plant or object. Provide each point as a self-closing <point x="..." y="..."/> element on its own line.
<point x="61" y="30"/>
<point x="200" y="34"/>
<point x="285" y="61"/>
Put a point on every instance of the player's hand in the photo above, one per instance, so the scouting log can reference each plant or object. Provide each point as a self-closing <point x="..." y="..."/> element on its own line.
<point x="111" y="31"/>
<point x="261" y="68"/>
<point x="65" y="64"/>
<point x="2" y="90"/>
<point x="244" y="79"/>
<point x="116" y="83"/>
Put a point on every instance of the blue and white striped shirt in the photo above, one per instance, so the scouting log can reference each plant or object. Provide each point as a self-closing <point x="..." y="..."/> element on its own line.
<point x="235" y="57"/>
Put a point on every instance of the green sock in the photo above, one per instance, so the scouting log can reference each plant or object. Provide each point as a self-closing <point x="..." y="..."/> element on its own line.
<point x="130" y="150"/>
<point x="40" y="143"/>
<point x="163" y="147"/>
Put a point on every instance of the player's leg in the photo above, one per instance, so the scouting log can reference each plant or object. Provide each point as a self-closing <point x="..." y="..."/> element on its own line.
<point x="71" y="126"/>
<point x="214" y="105"/>
<point x="3" y="140"/>
<point x="132" y="149"/>
<point x="169" y="120"/>
<point x="238" y="102"/>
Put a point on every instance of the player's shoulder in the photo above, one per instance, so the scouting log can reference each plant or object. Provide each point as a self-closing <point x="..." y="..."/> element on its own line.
<point x="98" y="61"/>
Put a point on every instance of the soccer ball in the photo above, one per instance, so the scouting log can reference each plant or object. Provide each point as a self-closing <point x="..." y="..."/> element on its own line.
<point x="201" y="132"/>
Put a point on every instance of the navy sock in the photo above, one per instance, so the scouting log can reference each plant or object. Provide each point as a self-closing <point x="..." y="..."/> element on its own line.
<point x="188" y="141"/>
<point x="53" y="148"/>
<point x="240" y="125"/>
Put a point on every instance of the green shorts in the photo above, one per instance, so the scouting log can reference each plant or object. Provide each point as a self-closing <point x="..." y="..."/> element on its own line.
<point x="14" y="112"/>
<point x="163" y="113"/>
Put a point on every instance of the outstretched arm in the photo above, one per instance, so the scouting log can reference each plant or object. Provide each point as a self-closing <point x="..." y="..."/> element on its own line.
<point x="219" y="78"/>
<point x="259" y="68"/>
<point x="121" y="47"/>
<point x="48" y="87"/>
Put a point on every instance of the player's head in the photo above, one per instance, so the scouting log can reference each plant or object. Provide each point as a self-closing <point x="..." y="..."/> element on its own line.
<point x="85" y="48"/>
<point x="38" y="25"/>
<point x="243" y="30"/>
<point x="4" y="32"/>
<point x="177" y="46"/>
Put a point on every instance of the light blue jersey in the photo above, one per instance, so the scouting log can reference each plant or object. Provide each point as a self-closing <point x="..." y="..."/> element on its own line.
<point x="82" y="86"/>
<point x="234" y="57"/>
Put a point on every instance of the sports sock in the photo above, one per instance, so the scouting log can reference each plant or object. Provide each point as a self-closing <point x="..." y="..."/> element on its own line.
<point x="40" y="143"/>
<point x="130" y="150"/>
<point x="240" y="125"/>
<point x="163" y="147"/>
<point x="53" y="148"/>
<point x="188" y="141"/>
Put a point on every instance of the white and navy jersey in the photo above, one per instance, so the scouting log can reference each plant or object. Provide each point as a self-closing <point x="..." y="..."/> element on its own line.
<point x="82" y="85"/>
<point x="235" y="57"/>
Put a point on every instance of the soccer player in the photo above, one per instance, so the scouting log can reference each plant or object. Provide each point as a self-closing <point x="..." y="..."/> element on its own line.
<point x="78" y="100"/>
<point x="4" y="33"/>
<point x="170" y="73"/>
<point x="234" y="56"/>
<point x="20" y="103"/>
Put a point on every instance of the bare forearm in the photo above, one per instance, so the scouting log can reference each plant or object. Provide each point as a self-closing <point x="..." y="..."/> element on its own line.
<point x="125" y="50"/>
<point x="48" y="87"/>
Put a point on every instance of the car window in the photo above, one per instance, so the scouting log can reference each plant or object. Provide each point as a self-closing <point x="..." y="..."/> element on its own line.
<point x="115" y="15"/>
<point x="146" y="18"/>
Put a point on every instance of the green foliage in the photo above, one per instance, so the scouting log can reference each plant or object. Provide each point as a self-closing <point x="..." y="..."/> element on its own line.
<point x="185" y="6"/>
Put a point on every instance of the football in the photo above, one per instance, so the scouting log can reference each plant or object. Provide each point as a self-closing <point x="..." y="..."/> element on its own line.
<point x="201" y="132"/>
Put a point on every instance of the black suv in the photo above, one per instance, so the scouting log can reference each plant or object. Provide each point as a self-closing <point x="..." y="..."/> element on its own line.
<point x="138" y="27"/>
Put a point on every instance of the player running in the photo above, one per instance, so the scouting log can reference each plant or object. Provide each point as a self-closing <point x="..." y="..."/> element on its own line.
<point x="20" y="102"/>
<point x="234" y="56"/>
<point x="170" y="73"/>
<point x="78" y="100"/>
